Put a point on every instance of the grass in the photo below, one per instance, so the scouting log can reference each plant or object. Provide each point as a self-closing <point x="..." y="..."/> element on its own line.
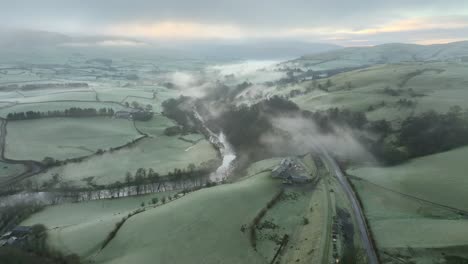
<point x="420" y="233"/>
<point x="288" y="216"/>
<point x="45" y="96"/>
<point x="63" y="138"/>
<point x="193" y="223"/>
<point x="160" y="152"/>
<point x="442" y="84"/>
<point x="196" y="227"/>
<point x="8" y="170"/>
<point x="440" y="178"/>
<point x="262" y="166"/>
<point x="403" y="204"/>
<point x="80" y="228"/>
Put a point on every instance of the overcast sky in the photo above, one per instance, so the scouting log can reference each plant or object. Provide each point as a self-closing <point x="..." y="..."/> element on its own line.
<point x="344" y="22"/>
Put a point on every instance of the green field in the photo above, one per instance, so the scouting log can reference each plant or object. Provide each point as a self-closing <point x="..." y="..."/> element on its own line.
<point x="8" y="170"/>
<point x="437" y="85"/>
<point x="160" y="152"/>
<point x="439" y="178"/>
<point x="81" y="228"/>
<point x="406" y="205"/>
<point x="47" y="96"/>
<point x="63" y="138"/>
<point x="193" y="223"/>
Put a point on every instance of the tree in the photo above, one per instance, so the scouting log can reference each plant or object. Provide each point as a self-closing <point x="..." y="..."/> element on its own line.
<point x="135" y="104"/>
<point x="48" y="161"/>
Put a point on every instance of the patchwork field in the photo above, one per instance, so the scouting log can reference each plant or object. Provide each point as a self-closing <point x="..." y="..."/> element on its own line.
<point x="439" y="178"/>
<point x="7" y="170"/>
<point x="407" y="205"/>
<point x="150" y="236"/>
<point x="195" y="229"/>
<point x="63" y="138"/>
<point x="160" y="152"/>
<point x="432" y="86"/>
<point x="81" y="228"/>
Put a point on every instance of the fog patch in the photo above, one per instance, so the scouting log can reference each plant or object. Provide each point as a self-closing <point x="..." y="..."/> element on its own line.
<point x="298" y="135"/>
<point x="190" y="84"/>
<point x="253" y="70"/>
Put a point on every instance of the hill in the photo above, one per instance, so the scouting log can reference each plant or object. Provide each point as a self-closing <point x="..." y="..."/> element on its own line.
<point x="383" y="54"/>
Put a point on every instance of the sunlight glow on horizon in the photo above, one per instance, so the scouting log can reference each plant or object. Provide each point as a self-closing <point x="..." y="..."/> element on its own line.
<point x="184" y="30"/>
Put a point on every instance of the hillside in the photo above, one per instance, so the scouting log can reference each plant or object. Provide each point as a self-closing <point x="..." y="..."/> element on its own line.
<point x="382" y="54"/>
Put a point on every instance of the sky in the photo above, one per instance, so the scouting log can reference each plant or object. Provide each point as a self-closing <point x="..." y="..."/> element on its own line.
<point x="342" y="22"/>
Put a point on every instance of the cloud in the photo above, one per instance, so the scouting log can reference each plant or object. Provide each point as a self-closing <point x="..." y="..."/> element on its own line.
<point x="311" y="20"/>
<point x="104" y="43"/>
<point x="303" y="136"/>
<point x="177" y="30"/>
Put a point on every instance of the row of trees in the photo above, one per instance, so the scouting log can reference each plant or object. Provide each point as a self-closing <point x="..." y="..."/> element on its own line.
<point x="71" y="112"/>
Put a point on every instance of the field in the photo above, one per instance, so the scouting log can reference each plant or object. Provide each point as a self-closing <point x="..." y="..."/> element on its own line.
<point x="411" y="205"/>
<point x="430" y="85"/>
<point x="63" y="138"/>
<point x="440" y="83"/>
<point x="160" y="152"/>
<point x="7" y="170"/>
<point x="427" y="178"/>
<point x="80" y="228"/>
<point x="193" y="223"/>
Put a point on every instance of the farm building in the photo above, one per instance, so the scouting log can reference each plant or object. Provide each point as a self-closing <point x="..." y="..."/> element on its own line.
<point x="291" y="171"/>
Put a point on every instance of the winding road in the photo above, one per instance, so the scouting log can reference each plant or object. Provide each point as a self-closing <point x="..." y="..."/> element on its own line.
<point x="364" y="232"/>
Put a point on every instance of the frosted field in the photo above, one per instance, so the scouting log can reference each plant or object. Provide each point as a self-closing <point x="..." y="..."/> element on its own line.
<point x="63" y="138"/>
<point x="442" y="84"/>
<point x="57" y="96"/>
<point x="162" y="153"/>
<point x="81" y="228"/>
<point x="8" y="170"/>
<point x="443" y="175"/>
<point x="201" y="217"/>
<point x="399" y="221"/>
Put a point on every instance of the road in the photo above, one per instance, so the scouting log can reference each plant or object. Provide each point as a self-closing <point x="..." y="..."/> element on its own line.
<point x="364" y="232"/>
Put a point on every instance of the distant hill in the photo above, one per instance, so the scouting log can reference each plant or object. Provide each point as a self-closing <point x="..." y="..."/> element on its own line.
<point x="30" y="38"/>
<point x="381" y="54"/>
<point x="25" y="40"/>
<point x="255" y="49"/>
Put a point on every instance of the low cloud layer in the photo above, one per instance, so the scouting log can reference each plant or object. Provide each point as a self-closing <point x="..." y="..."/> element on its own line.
<point x="303" y="136"/>
<point x="350" y="22"/>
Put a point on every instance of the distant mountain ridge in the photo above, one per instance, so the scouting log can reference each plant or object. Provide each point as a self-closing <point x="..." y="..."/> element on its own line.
<point x="386" y="53"/>
<point x="226" y="49"/>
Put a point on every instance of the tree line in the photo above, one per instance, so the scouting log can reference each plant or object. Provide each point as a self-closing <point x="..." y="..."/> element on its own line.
<point x="71" y="112"/>
<point x="424" y="134"/>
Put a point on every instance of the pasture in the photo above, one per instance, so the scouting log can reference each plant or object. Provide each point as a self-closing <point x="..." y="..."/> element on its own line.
<point x="63" y="138"/>
<point x="201" y="217"/>
<point x="443" y="175"/>
<point x="81" y="228"/>
<point x="159" y="152"/>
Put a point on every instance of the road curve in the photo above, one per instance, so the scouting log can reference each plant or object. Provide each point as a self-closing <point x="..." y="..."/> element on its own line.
<point x="363" y="228"/>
